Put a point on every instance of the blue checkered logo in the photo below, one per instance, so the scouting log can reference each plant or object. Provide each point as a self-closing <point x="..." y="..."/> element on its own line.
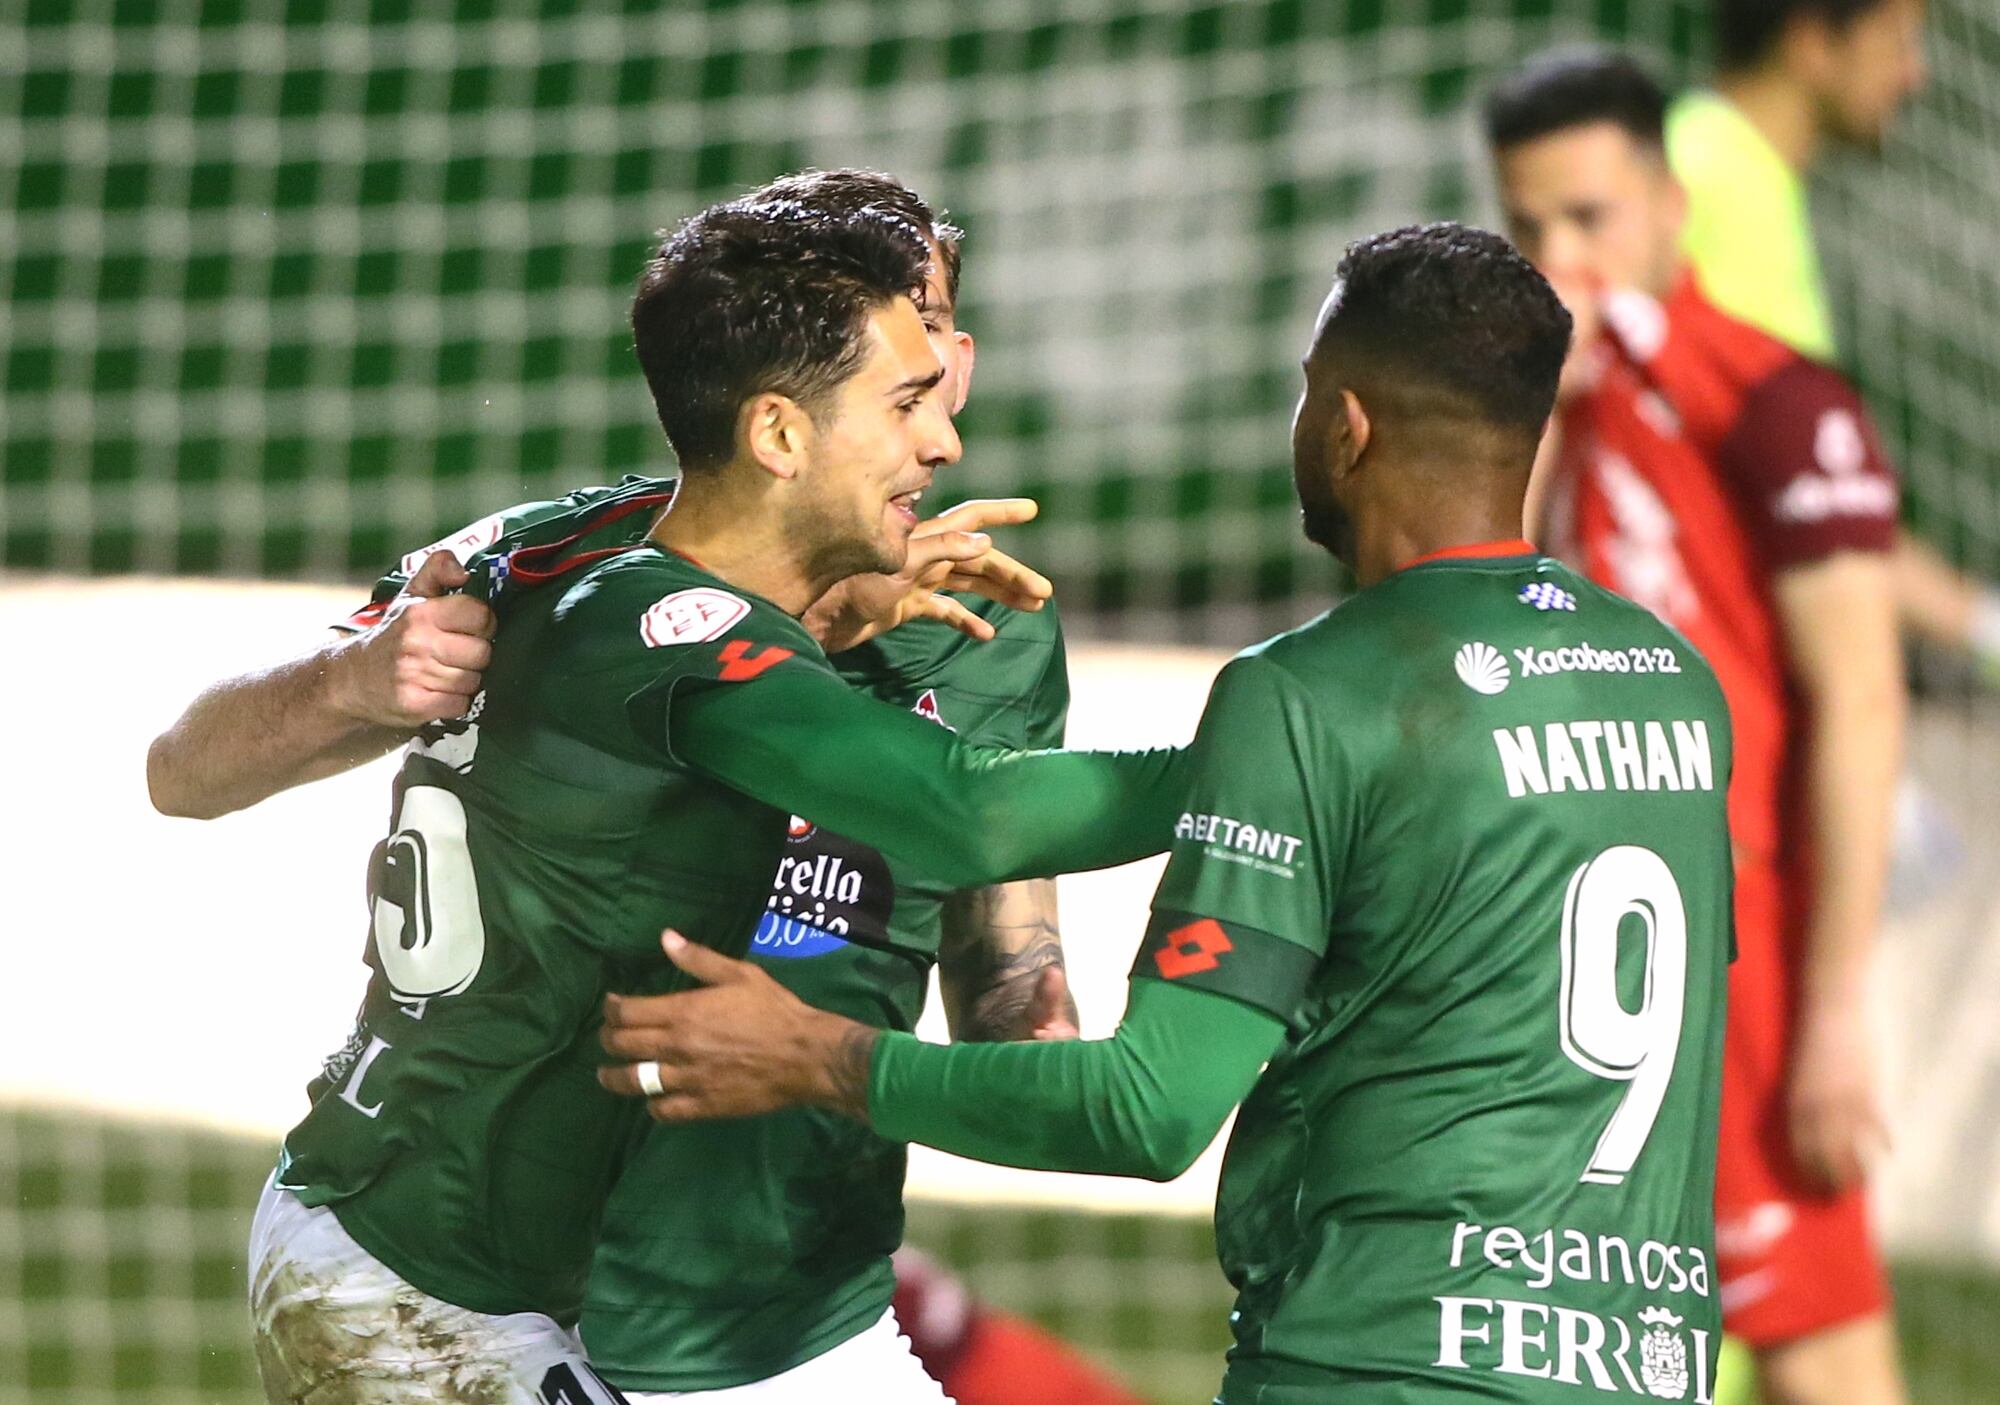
<point x="1546" y="595"/>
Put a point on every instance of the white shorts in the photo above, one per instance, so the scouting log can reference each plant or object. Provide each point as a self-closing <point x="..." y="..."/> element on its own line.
<point x="873" y="1367"/>
<point x="335" y="1326"/>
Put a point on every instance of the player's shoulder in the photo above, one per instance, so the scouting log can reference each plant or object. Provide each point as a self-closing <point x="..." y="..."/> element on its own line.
<point x="1318" y="661"/>
<point x="1384" y="634"/>
<point x="1034" y="628"/>
<point x="519" y="524"/>
<point x="1702" y="130"/>
<point x="1665" y="652"/>
<point x="641" y="605"/>
<point x="1031" y="640"/>
<point x="1806" y="417"/>
<point x="1794" y="382"/>
<point x="925" y="653"/>
<point x="1690" y="326"/>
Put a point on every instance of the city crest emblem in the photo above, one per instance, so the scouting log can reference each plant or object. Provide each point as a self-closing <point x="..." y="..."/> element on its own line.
<point x="1663" y="1355"/>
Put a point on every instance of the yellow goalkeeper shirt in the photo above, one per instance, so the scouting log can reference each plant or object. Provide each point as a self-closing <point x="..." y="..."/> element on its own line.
<point x="1749" y="232"/>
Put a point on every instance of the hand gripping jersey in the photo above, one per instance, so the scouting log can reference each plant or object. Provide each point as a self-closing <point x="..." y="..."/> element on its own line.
<point x="539" y="847"/>
<point x="787" y="1253"/>
<point x="1466" y="835"/>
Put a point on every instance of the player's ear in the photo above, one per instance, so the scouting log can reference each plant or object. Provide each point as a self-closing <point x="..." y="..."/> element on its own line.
<point x="966" y="354"/>
<point x="1355" y="429"/>
<point x="775" y="433"/>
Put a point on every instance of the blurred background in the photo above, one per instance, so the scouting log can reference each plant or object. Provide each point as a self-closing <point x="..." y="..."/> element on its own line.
<point x="287" y="290"/>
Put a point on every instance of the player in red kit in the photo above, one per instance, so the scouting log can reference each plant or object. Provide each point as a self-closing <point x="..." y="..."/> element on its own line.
<point x="982" y="1356"/>
<point x="1736" y="488"/>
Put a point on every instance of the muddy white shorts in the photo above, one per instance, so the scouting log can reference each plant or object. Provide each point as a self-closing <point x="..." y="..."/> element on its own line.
<point x="873" y="1367"/>
<point x="335" y="1326"/>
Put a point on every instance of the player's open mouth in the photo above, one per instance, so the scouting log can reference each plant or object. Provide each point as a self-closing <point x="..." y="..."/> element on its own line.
<point x="906" y="504"/>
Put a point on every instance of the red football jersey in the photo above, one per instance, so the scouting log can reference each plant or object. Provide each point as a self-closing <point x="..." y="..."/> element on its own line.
<point x="1706" y="458"/>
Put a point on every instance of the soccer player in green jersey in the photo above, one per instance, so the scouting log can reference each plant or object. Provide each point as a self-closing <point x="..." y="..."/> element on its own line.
<point x="431" y="1224"/>
<point x="789" y="1259"/>
<point x="1447" y="911"/>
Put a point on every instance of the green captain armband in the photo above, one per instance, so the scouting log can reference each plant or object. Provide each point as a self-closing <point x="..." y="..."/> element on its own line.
<point x="1262" y="971"/>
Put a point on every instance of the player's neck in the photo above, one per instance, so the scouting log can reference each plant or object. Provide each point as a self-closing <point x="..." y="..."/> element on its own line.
<point x="727" y="531"/>
<point x="1781" y="111"/>
<point x="1384" y="543"/>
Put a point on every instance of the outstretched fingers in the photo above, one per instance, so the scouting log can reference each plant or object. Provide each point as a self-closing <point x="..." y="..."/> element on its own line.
<point x="1002" y="579"/>
<point x="979" y="514"/>
<point x="946" y="610"/>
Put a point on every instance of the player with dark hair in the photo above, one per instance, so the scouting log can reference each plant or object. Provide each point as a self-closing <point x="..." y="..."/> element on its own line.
<point x="656" y="1314"/>
<point x="1454" y="865"/>
<point x="1715" y="475"/>
<point x="1797" y="79"/>
<point x="1793" y="77"/>
<point x="781" y="1288"/>
<point x="432" y="1220"/>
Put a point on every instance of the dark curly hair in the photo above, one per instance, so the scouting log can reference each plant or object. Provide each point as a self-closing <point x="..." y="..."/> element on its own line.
<point x="1443" y="319"/>
<point x="759" y="295"/>
<point x="1576" y="87"/>
<point x="848" y="189"/>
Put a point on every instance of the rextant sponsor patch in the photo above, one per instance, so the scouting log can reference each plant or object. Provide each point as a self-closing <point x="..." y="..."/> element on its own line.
<point x="691" y="616"/>
<point x="1238" y="841"/>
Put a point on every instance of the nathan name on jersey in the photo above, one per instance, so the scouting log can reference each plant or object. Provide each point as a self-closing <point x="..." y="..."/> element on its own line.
<point x="1605" y="755"/>
<point x="1589" y="754"/>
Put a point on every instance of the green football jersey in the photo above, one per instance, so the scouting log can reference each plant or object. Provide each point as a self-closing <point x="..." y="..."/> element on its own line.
<point x="787" y="1254"/>
<point x="1466" y="835"/>
<point x="537" y="851"/>
<point x="539" y="846"/>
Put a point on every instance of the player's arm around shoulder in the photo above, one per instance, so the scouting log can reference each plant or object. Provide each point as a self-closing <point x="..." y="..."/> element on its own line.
<point x="1001" y="969"/>
<point x="939" y="809"/>
<point x="413" y="656"/>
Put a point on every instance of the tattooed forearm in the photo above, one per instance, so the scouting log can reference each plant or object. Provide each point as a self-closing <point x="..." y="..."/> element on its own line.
<point x="847" y="1071"/>
<point x="1002" y="1009"/>
<point x="997" y="942"/>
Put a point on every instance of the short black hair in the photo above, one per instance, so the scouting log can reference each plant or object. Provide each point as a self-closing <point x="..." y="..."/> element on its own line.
<point x="848" y="189"/>
<point x="1747" y="31"/>
<point x="1576" y="86"/>
<point x="1447" y="319"/>
<point x="763" y="295"/>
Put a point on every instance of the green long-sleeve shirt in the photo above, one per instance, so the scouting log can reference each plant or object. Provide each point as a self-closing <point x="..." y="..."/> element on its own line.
<point x="644" y="734"/>
<point x="1454" y="859"/>
<point x="1142" y="1103"/>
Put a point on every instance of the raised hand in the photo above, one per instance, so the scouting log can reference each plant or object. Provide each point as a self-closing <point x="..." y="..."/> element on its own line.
<point x="948" y="552"/>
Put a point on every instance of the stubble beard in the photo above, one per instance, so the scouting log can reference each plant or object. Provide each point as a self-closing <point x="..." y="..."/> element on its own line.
<point x="833" y="546"/>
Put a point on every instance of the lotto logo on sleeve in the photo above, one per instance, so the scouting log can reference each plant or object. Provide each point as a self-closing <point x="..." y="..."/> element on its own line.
<point x="1192" y="949"/>
<point x="691" y="617"/>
